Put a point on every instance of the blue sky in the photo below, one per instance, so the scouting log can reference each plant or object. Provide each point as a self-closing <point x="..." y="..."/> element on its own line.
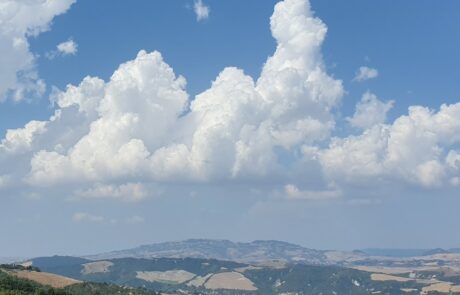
<point x="339" y="184"/>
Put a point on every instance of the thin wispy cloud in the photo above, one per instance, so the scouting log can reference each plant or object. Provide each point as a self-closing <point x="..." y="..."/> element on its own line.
<point x="201" y="10"/>
<point x="84" y="217"/>
<point x="292" y="192"/>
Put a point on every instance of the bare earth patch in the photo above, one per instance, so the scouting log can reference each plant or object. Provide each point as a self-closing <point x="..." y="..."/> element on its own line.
<point x="47" y="279"/>
<point x="96" y="267"/>
<point x="230" y="281"/>
<point x="169" y="277"/>
<point x="199" y="281"/>
<point x="442" y="287"/>
<point x="385" y="277"/>
<point x="394" y="270"/>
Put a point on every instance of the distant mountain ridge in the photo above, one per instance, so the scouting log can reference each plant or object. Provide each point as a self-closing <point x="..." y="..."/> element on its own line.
<point x="265" y="251"/>
<point x="250" y="252"/>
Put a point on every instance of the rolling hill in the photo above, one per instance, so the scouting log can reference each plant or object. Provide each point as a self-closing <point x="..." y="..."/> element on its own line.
<point x="252" y="252"/>
<point x="16" y="280"/>
<point x="209" y="276"/>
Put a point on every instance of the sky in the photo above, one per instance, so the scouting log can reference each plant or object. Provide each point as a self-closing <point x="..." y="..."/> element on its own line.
<point x="331" y="124"/>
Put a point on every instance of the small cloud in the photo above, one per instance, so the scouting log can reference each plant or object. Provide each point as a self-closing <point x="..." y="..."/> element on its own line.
<point x="68" y="47"/>
<point x="201" y="10"/>
<point x="294" y="193"/>
<point x="84" y="217"/>
<point x="365" y="73"/>
<point x="131" y="192"/>
<point x="81" y="217"/>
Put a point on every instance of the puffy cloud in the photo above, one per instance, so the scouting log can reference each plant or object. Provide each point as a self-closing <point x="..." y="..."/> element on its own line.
<point x="22" y="139"/>
<point x="370" y="111"/>
<point x="18" y="21"/>
<point x="86" y="96"/>
<point x="140" y="127"/>
<point x="135" y="112"/>
<point x="365" y="73"/>
<point x="416" y="148"/>
<point x="201" y="10"/>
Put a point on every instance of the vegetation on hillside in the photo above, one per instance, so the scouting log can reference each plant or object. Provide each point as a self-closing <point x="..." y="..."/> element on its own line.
<point x="294" y="279"/>
<point x="11" y="285"/>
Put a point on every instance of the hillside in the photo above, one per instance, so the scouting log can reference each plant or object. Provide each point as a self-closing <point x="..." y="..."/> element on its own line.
<point x="269" y="252"/>
<point x="207" y="276"/>
<point x="252" y="252"/>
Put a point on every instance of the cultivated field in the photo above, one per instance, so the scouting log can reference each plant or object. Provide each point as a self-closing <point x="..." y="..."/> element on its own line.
<point x="168" y="277"/>
<point x="47" y="279"/>
<point x="385" y="277"/>
<point x="230" y="281"/>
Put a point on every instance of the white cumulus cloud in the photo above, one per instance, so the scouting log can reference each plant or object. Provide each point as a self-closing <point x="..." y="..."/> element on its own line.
<point x="418" y="148"/>
<point x="370" y="111"/>
<point x="116" y="138"/>
<point x="18" y="21"/>
<point x="231" y="130"/>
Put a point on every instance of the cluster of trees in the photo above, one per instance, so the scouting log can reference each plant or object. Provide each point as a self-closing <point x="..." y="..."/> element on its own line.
<point x="106" y="289"/>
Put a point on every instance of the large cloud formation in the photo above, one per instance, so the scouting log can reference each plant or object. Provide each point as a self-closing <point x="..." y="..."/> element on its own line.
<point x="142" y="127"/>
<point x="18" y="21"/>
